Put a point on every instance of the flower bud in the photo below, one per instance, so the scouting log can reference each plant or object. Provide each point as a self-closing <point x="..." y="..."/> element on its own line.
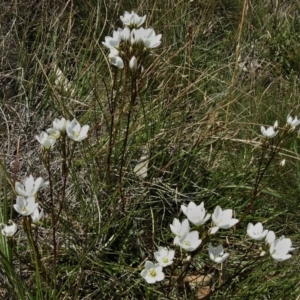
<point x="133" y="63"/>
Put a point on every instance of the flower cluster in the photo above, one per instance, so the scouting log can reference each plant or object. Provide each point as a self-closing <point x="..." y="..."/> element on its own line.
<point x="185" y="239"/>
<point x="60" y="128"/>
<point x="27" y="193"/>
<point x="25" y="203"/>
<point x="278" y="248"/>
<point x="131" y="44"/>
<point x="189" y="240"/>
<point x="197" y="215"/>
<point x="154" y="271"/>
<point x="272" y="131"/>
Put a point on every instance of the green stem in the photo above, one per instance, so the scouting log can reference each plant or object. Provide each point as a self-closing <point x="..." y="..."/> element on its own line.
<point x="37" y="257"/>
<point x="131" y="105"/>
<point x="259" y="177"/>
<point x="53" y="221"/>
<point x="112" y="110"/>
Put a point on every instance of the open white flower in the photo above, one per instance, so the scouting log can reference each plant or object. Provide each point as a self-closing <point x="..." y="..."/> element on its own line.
<point x="9" y="230"/>
<point x="164" y="256"/>
<point x="60" y="124"/>
<point x="190" y="241"/>
<point x="293" y="122"/>
<point x="222" y="219"/>
<point x="37" y="216"/>
<point x="137" y="35"/>
<point x="59" y="127"/>
<point x="132" y="19"/>
<point x="179" y="229"/>
<point x="280" y="248"/>
<point x="75" y="132"/>
<point x="217" y="254"/>
<point x="152" y="272"/>
<point x="256" y="231"/>
<point x="54" y="133"/>
<point x="115" y="59"/>
<point x="196" y="214"/>
<point x="25" y="207"/>
<point x="114" y="41"/>
<point x="271" y="131"/>
<point x="151" y="40"/>
<point x="126" y="34"/>
<point x="45" y="140"/>
<point x="30" y="186"/>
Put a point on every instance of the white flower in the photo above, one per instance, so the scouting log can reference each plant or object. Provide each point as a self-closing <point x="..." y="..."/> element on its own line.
<point x="137" y="35"/>
<point x="179" y="229"/>
<point x="145" y="36"/>
<point x="25" y="207"/>
<point x="54" y="133"/>
<point x="59" y="127"/>
<point x="133" y="63"/>
<point x="280" y="248"/>
<point x="256" y="231"/>
<point x="75" y="132"/>
<point x="114" y="41"/>
<point x="30" y="186"/>
<point x="132" y="19"/>
<point x="9" y="230"/>
<point x="217" y="254"/>
<point x="164" y="256"/>
<point x="151" y="40"/>
<point x="152" y="272"/>
<point x="195" y="214"/>
<point x="222" y="219"/>
<point x="45" y="140"/>
<point x="60" y="124"/>
<point x="116" y="61"/>
<point x="292" y="122"/>
<point x="271" y="131"/>
<point x="126" y="34"/>
<point x="190" y="241"/>
<point x="37" y="216"/>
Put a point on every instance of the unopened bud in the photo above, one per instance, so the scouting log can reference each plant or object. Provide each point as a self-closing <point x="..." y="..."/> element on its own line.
<point x="133" y="63"/>
<point x="282" y="163"/>
<point x="262" y="253"/>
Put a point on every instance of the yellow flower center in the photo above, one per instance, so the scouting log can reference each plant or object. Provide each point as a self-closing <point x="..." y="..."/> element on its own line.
<point x="152" y="273"/>
<point x="24" y="209"/>
<point x="165" y="260"/>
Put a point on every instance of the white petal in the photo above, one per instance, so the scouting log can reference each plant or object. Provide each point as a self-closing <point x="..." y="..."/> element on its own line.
<point x="213" y="230"/>
<point x="149" y="264"/>
<point x="20" y="189"/>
